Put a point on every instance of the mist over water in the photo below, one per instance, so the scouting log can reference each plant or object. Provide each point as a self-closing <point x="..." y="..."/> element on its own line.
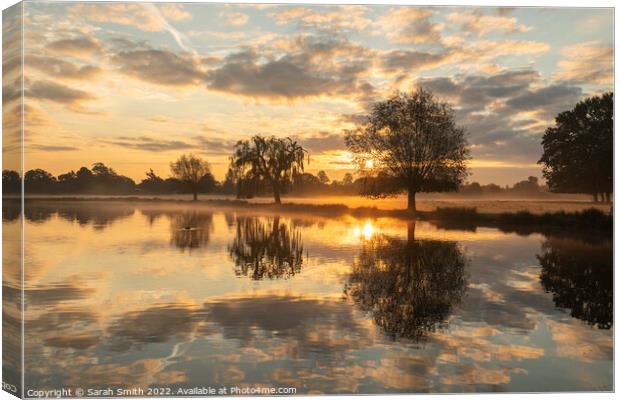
<point x="133" y="294"/>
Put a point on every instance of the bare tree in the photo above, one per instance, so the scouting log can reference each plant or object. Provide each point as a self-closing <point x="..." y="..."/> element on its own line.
<point x="190" y="170"/>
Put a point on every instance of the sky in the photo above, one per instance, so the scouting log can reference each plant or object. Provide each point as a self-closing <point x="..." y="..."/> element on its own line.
<point x="135" y="85"/>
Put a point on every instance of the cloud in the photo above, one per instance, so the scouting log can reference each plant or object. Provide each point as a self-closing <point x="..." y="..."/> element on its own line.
<point x="80" y="46"/>
<point x="214" y="146"/>
<point x="234" y="18"/>
<point x="161" y="67"/>
<point x="476" y="23"/>
<point x="12" y="91"/>
<point x="401" y="60"/>
<point x="289" y="14"/>
<point x="199" y="144"/>
<point x="178" y="36"/>
<point x="130" y="14"/>
<point x="274" y="79"/>
<point x="467" y="56"/>
<point x="330" y="18"/>
<point x="587" y="63"/>
<point x="149" y="143"/>
<point x="505" y="113"/>
<point x="321" y="142"/>
<point x="56" y="92"/>
<point x="144" y="16"/>
<point x="409" y="25"/>
<point x="52" y="148"/>
<point x="554" y="96"/>
<point x="311" y="67"/>
<point x="56" y="67"/>
<point x="175" y="12"/>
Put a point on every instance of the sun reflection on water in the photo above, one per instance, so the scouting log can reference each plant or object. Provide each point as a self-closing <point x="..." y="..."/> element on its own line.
<point x="365" y="232"/>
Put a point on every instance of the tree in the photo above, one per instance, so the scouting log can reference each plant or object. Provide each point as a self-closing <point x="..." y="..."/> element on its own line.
<point x="347" y="179"/>
<point x="100" y="169"/>
<point x="39" y="181"/>
<point x="410" y="143"/>
<point x="323" y="178"/>
<point x="190" y="170"/>
<point x="153" y="183"/>
<point x="267" y="161"/>
<point x="578" y="149"/>
<point x="11" y="182"/>
<point x="530" y="186"/>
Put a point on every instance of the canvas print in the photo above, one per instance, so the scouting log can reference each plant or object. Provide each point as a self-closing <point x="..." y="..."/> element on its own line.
<point x="204" y="199"/>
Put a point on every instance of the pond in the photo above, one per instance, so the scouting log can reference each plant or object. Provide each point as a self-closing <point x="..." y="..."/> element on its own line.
<point x="137" y="295"/>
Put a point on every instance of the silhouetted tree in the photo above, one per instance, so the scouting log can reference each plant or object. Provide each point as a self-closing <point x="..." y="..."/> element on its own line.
<point x="190" y="170"/>
<point x="229" y="186"/>
<point x="68" y="183"/>
<point x="580" y="276"/>
<point x="105" y="180"/>
<point x="410" y="143"/>
<point x="472" y="189"/>
<point x="11" y="182"/>
<point x="153" y="183"/>
<point x="266" y="161"/>
<point x="323" y="178"/>
<point x="409" y="286"/>
<point x="578" y="150"/>
<point x="39" y="181"/>
<point x="347" y="179"/>
<point x="529" y="186"/>
<point x="262" y="250"/>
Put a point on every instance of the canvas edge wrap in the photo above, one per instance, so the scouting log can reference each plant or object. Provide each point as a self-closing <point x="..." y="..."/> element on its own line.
<point x="12" y="235"/>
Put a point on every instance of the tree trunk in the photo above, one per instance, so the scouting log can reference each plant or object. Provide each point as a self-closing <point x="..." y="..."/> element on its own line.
<point x="595" y="195"/>
<point x="276" y="193"/>
<point x="195" y="195"/>
<point x="411" y="201"/>
<point x="411" y="231"/>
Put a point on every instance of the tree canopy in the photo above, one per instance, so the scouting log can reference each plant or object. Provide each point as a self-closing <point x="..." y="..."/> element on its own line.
<point x="267" y="161"/>
<point x="410" y="143"/>
<point x="192" y="171"/>
<point x="578" y="149"/>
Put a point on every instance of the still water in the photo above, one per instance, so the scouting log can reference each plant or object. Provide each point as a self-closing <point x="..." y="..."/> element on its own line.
<point x="137" y="295"/>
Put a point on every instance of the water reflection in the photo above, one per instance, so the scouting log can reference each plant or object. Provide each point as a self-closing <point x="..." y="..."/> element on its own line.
<point x="409" y="286"/>
<point x="266" y="248"/>
<point x="190" y="230"/>
<point x="580" y="276"/>
<point x="122" y="306"/>
<point x="98" y="215"/>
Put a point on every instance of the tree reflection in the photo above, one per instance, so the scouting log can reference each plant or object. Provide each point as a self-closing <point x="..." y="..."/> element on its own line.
<point x="190" y="230"/>
<point x="409" y="286"/>
<point x="266" y="249"/>
<point x="580" y="276"/>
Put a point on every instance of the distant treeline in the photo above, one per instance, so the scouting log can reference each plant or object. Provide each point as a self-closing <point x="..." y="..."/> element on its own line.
<point x="103" y="180"/>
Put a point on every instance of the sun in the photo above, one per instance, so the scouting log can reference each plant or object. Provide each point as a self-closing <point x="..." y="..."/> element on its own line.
<point x="369" y="163"/>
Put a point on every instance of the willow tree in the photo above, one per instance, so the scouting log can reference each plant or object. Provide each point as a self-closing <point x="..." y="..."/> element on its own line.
<point x="269" y="161"/>
<point x="410" y="143"/>
<point x="190" y="170"/>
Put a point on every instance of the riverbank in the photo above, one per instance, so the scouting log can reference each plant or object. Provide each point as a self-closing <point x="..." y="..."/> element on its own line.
<point x="586" y="221"/>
